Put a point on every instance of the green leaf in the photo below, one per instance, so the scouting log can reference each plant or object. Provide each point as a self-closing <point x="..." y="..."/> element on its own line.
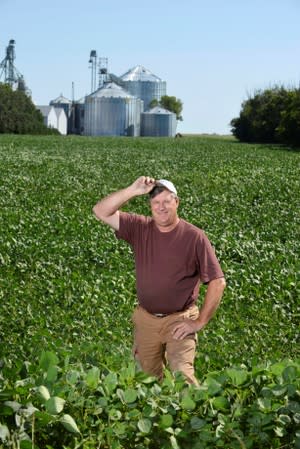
<point x="14" y="405"/>
<point x="115" y="415"/>
<point x="187" y="403"/>
<point x="238" y="376"/>
<point x="111" y="382"/>
<point x="44" y="418"/>
<point x="52" y="373"/>
<point x="290" y="374"/>
<point x="166" y="421"/>
<point x="284" y="419"/>
<point x="26" y="444"/>
<point x="277" y="368"/>
<point x="130" y="395"/>
<point x="144" y="425"/>
<point x="69" y="423"/>
<point x="296" y="418"/>
<point x="279" y="390"/>
<point x="213" y="387"/>
<point x="4" y="432"/>
<point x="48" y="359"/>
<point x="54" y="405"/>
<point x="73" y="377"/>
<point x="197" y="423"/>
<point x="92" y="377"/>
<point x="43" y="392"/>
<point x="220" y="403"/>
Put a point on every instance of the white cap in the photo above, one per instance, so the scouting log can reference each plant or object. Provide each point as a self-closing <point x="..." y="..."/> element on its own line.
<point x="167" y="184"/>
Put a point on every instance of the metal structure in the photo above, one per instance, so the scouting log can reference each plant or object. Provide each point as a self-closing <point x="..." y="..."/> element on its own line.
<point x="103" y="74"/>
<point x="142" y="83"/>
<point x="158" y="122"/>
<point x="93" y="67"/>
<point x="111" y="111"/>
<point x="9" y="72"/>
<point x="65" y="104"/>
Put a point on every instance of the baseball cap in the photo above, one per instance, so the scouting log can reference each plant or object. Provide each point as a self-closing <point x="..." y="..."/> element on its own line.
<point x="167" y="184"/>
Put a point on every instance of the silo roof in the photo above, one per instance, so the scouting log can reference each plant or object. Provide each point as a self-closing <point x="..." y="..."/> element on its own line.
<point x="158" y="110"/>
<point x="111" y="90"/>
<point x="60" y="99"/>
<point x="140" y="73"/>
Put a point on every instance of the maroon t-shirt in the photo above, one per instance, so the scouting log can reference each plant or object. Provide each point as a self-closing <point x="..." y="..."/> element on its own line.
<point x="169" y="265"/>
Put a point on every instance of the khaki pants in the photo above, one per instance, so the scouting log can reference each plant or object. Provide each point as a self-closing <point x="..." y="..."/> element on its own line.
<point x="154" y="344"/>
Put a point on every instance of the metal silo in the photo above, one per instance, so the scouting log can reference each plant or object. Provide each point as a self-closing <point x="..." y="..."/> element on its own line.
<point x="112" y="111"/>
<point x="158" y="122"/>
<point x="77" y="117"/>
<point x="143" y="84"/>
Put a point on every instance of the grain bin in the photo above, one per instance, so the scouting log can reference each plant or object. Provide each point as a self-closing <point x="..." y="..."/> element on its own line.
<point x="143" y="84"/>
<point x="158" y="122"/>
<point x="112" y="111"/>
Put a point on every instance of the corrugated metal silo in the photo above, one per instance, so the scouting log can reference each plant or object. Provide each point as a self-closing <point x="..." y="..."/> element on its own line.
<point x="77" y="116"/>
<point x="158" y="122"/>
<point x="112" y="111"/>
<point x="143" y="84"/>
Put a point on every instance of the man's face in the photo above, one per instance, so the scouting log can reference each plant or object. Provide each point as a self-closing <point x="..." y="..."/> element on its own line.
<point x="164" y="209"/>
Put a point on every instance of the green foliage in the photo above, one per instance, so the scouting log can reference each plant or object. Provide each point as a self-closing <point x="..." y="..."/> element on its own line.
<point x="18" y="114"/>
<point x="270" y="116"/>
<point x="67" y="290"/>
<point x="251" y="408"/>
<point x="170" y="103"/>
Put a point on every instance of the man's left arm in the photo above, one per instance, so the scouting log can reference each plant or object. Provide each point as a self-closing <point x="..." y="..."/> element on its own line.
<point x="211" y="302"/>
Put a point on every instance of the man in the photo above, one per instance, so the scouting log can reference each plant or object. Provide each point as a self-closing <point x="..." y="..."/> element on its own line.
<point x="172" y="258"/>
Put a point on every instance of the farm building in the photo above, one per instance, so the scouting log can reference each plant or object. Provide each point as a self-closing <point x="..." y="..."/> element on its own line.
<point x="54" y="118"/>
<point x="142" y="83"/>
<point x="158" y="122"/>
<point x="112" y="111"/>
<point x="119" y="105"/>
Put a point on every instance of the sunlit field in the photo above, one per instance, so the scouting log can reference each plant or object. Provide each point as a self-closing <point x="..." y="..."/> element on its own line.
<point x="67" y="290"/>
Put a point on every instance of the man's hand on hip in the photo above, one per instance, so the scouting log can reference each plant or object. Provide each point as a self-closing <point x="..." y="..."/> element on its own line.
<point x="185" y="328"/>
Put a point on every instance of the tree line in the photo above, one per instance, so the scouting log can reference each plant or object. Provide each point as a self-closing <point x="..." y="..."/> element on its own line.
<point x="270" y="116"/>
<point x="18" y="114"/>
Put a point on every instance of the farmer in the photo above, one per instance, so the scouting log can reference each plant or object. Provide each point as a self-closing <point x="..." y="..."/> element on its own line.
<point x="172" y="258"/>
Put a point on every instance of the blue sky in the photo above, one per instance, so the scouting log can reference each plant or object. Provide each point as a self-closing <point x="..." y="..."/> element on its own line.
<point x="212" y="53"/>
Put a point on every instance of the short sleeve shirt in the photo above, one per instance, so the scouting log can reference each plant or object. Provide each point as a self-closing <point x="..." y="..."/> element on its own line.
<point x="169" y="265"/>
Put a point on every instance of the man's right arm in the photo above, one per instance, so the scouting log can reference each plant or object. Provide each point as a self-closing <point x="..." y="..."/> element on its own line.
<point x="107" y="209"/>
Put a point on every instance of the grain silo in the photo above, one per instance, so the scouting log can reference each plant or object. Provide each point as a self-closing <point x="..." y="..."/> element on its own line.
<point x="158" y="122"/>
<point x="112" y="111"/>
<point x="77" y="117"/>
<point x="143" y="84"/>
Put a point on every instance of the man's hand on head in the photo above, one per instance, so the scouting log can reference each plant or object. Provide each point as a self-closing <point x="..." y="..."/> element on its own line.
<point x="143" y="185"/>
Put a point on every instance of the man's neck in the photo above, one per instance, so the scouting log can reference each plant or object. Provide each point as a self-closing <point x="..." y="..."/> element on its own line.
<point x="168" y="228"/>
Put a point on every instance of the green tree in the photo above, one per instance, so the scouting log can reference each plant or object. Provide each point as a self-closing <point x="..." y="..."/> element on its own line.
<point x="289" y="126"/>
<point x="18" y="114"/>
<point x="269" y="116"/>
<point x="170" y="103"/>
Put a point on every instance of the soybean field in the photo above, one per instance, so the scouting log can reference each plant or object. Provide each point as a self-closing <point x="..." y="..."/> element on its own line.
<point x="67" y="292"/>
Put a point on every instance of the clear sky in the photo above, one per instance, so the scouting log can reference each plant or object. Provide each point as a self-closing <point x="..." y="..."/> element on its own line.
<point x="213" y="54"/>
